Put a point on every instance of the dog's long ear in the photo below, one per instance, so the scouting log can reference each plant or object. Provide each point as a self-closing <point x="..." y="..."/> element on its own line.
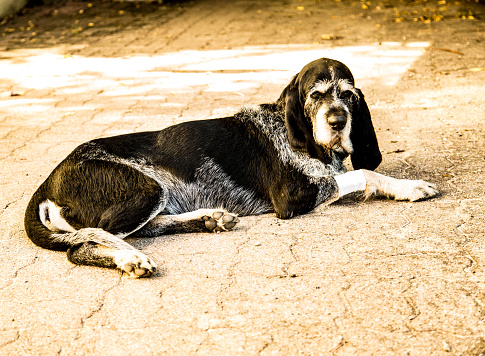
<point x="294" y="115"/>
<point x="364" y="141"/>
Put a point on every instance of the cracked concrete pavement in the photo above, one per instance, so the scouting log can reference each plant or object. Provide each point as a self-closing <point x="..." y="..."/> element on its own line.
<point x="355" y="278"/>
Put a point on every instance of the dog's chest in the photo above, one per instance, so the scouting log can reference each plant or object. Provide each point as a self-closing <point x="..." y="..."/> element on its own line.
<point x="316" y="169"/>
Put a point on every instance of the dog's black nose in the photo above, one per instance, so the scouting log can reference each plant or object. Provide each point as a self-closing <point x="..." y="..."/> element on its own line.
<point x="337" y="122"/>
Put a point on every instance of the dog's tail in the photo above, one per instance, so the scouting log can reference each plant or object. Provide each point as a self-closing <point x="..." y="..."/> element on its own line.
<point x="39" y="233"/>
<point x="43" y="233"/>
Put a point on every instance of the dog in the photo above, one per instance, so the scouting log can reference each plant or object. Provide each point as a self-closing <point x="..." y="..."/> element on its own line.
<point x="284" y="157"/>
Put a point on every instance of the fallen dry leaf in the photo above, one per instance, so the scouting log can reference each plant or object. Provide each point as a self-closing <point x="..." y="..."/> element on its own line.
<point x="330" y="37"/>
<point x="396" y="151"/>
<point x="446" y="50"/>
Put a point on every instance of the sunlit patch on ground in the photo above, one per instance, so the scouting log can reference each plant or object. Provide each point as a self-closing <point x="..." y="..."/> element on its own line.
<point x="235" y="70"/>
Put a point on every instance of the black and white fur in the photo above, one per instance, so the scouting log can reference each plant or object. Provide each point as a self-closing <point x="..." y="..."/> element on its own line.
<point x="285" y="157"/>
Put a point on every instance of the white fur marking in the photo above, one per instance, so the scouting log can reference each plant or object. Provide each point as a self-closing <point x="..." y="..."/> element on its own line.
<point x="399" y="189"/>
<point x="49" y="212"/>
<point x="43" y="212"/>
<point x="322" y="132"/>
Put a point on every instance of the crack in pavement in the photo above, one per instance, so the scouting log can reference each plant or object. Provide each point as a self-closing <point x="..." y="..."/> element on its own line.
<point x="94" y="312"/>
<point x="14" y="339"/>
<point x="229" y="279"/>
<point x="16" y="273"/>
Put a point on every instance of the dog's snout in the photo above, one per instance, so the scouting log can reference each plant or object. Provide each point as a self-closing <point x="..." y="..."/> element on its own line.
<point x="337" y="122"/>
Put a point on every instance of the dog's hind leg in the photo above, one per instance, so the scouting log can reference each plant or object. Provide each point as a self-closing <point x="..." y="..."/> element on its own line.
<point x="103" y="249"/>
<point x="88" y="209"/>
<point x="200" y="220"/>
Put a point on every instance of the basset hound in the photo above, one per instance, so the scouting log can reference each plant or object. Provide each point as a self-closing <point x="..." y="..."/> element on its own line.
<point x="283" y="158"/>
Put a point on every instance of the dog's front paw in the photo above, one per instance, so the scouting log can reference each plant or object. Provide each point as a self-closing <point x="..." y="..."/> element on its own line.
<point x="134" y="263"/>
<point x="219" y="220"/>
<point x="414" y="190"/>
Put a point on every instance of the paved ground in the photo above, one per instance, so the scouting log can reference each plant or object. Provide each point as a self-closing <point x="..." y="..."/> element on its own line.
<point x="356" y="278"/>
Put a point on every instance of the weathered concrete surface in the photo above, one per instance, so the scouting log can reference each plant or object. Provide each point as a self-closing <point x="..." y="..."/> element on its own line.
<point x="355" y="278"/>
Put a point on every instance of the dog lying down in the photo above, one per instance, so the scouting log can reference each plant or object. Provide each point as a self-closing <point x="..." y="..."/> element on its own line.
<point x="285" y="157"/>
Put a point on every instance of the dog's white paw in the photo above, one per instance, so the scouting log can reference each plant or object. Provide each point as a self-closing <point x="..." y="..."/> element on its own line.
<point x="134" y="263"/>
<point x="414" y="190"/>
<point x="219" y="220"/>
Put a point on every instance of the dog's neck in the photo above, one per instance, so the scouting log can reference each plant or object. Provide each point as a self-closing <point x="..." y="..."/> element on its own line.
<point x="269" y="118"/>
<point x="312" y="149"/>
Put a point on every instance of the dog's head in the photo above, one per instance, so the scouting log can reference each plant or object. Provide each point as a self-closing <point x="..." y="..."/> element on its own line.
<point x="324" y="112"/>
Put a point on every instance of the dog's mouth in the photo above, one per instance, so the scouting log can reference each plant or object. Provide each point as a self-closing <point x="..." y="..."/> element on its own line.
<point x="339" y="144"/>
<point x="335" y="142"/>
<point x="331" y="137"/>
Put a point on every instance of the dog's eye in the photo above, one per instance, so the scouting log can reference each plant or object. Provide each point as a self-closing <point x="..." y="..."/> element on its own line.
<point x="316" y="95"/>
<point x="347" y="95"/>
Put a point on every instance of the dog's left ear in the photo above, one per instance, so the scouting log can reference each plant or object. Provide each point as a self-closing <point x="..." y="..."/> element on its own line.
<point x="294" y="116"/>
<point x="366" y="153"/>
